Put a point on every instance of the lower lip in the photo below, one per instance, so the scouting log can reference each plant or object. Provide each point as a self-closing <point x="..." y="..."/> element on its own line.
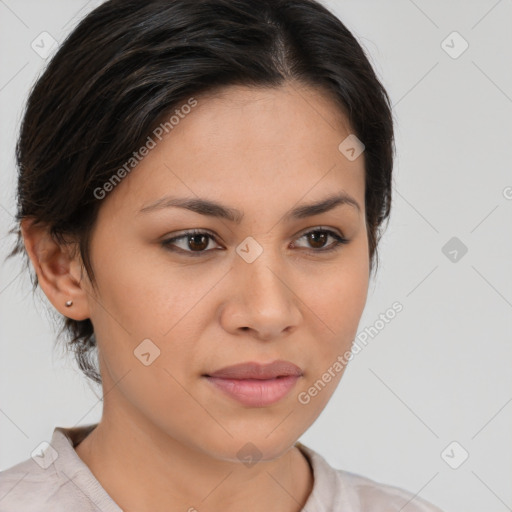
<point x="254" y="392"/>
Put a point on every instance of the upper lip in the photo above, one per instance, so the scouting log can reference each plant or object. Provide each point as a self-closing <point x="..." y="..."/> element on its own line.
<point x="253" y="370"/>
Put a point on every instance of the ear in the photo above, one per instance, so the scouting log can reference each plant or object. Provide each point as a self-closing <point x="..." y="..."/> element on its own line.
<point x="59" y="273"/>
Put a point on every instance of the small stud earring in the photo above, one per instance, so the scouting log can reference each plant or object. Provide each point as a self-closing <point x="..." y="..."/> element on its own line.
<point x="69" y="303"/>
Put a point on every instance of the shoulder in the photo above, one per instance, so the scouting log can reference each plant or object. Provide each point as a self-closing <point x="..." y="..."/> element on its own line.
<point x="53" y="479"/>
<point x="337" y="489"/>
<point x="27" y="487"/>
<point x="373" y="496"/>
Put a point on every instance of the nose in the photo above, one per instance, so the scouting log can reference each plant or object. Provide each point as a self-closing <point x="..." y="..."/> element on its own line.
<point x="262" y="300"/>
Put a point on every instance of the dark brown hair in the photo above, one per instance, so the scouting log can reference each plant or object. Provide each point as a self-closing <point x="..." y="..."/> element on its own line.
<point x="129" y="63"/>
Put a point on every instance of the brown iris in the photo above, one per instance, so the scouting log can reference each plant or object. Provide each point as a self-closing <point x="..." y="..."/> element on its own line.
<point x="198" y="242"/>
<point x="318" y="237"/>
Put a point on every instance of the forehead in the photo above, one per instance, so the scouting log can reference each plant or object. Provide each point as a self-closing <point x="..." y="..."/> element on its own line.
<point x="242" y="145"/>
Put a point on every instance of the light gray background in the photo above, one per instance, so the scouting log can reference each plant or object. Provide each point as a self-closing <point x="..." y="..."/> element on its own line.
<point x="441" y="370"/>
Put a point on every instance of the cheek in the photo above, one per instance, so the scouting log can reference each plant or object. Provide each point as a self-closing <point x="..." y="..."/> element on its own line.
<point x="157" y="392"/>
<point x="341" y="300"/>
<point x="140" y="300"/>
<point x="348" y="299"/>
<point x="336" y="309"/>
<point x="141" y="294"/>
<point x="340" y="310"/>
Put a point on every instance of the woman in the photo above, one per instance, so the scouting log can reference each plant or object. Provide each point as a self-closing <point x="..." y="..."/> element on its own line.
<point x="202" y="187"/>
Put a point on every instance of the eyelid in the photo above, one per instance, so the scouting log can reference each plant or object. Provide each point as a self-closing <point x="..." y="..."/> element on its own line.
<point x="191" y="231"/>
<point x="335" y="233"/>
<point x="168" y="242"/>
<point x="319" y="228"/>
<point x="200" y="231"/>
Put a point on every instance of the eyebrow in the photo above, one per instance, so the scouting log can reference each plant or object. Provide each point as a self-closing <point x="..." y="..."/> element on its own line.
<point x="214" y="209"/>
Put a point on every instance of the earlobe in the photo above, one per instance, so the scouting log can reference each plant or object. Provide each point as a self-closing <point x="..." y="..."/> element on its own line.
<point x="54" y="265"/>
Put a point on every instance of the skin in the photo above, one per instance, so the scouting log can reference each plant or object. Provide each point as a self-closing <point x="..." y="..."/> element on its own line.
<point x="168" y="440"/>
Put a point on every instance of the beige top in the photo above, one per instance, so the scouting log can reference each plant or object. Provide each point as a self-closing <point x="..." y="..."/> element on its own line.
<point x="56" y="479"/>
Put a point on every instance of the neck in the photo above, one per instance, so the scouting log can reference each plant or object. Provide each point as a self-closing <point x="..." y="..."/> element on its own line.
<point x="143" y="468"/>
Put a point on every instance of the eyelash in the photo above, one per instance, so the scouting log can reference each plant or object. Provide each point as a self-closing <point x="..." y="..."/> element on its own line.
<point x="339" y="241"/>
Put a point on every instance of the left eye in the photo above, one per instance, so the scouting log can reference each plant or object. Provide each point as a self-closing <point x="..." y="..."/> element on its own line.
<point x="198" y="241"/>
<point x="320" y="236"/>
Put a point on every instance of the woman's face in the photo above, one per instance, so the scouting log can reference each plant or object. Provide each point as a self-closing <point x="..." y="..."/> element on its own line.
<point x="260" y="289"/>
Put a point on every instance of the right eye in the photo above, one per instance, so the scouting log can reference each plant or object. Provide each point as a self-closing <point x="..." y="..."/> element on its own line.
<point x="194" y="242"/>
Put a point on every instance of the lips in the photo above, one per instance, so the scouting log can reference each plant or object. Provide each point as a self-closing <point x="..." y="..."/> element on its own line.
<point x="258" y="371"/>
<point x="254" y="384"/>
